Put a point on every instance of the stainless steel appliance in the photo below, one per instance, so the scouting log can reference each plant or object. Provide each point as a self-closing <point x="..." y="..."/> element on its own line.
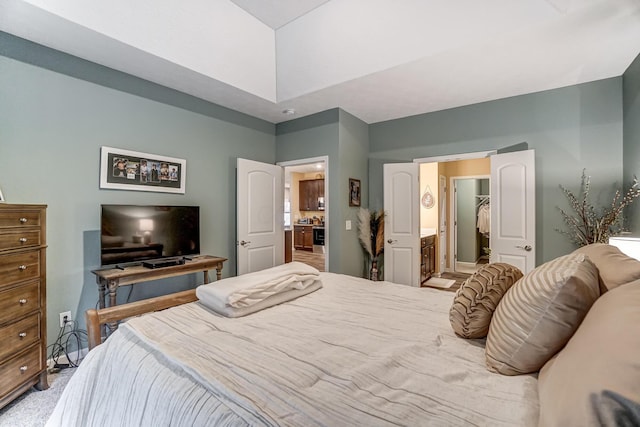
<point x="318" y="239"/>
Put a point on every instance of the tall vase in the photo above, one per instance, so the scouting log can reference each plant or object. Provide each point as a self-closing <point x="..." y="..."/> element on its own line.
<point x="373" y="274"/>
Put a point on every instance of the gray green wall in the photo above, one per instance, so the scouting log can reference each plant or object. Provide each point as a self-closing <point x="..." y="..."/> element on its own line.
<point x="56" y="111"/>
<point x="631" y="102"/>
<point x="344" y="139"/>
<point x="354" y="152"/>
<point x="570" y="129"/>
<point x="466" y="220"/>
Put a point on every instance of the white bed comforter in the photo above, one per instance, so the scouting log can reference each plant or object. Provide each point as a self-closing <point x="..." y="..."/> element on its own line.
<point x="354" y="353"/>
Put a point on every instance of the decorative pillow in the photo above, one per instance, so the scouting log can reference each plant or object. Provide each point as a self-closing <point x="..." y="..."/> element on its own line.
<point x="478" y="297"/>
<point x="595" y="379"/>
<point x="614" y="267"/>
<point x="538" y="315"/>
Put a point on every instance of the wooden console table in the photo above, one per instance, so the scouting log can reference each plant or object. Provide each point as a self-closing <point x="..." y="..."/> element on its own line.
<point x="111" y="279"/>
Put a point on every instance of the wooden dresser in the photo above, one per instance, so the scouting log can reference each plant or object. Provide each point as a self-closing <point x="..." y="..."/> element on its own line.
<point x="22" y="300"/>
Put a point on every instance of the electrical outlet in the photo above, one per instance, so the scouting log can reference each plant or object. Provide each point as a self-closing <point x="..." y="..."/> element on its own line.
<point x="64" y="314"/>
<point x="347" y="225"/>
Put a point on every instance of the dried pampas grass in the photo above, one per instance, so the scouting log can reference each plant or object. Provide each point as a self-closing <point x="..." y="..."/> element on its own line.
<point x="364" y="225"/>
<point x="371" y="231"/>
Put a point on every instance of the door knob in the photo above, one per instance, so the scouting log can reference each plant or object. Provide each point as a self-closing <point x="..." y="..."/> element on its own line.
<point x="526" y="248"/>
<point x="391" y="241"/>
<point x="244" y="243"/>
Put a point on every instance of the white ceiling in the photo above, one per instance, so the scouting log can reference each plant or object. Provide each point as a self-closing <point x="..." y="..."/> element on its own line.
<point x="376" y="59"/>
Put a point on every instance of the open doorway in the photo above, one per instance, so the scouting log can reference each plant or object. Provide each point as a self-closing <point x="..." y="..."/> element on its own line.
<point x="512" y="215"/>
<point x="471" y="222"/>
<point x="306" y="211"/>
<point x="454" y="185"/>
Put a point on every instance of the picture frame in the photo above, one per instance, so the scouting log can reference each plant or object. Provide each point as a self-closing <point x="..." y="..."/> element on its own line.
<point x="354" y="192"/>
<point x="133" y="170"/>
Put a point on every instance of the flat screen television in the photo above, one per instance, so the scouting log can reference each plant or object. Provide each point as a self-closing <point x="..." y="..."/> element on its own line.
<point x="130" y="234"/>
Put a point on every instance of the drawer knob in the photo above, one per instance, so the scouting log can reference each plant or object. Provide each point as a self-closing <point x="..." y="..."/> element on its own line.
<point x="22" y="334"/>
<point x="22" y="301"/>
<point x="23" y="240"/>
<point x="22" y="267"/>
<point x="23" y="368"/>
<point x="23" y="220"/>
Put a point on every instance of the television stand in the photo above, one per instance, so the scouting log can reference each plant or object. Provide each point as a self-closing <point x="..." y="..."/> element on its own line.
<point x="111" y="279"/>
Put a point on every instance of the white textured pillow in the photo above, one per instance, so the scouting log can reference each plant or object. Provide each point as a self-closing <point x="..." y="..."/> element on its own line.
<point x="539" y="313"/>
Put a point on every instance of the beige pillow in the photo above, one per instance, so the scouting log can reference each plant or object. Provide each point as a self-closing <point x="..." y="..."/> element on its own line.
<point x="614" y="267"/>
<point x="538" y="315"/>
<point x="478" y="297"/>
<point x="599" y="369"/>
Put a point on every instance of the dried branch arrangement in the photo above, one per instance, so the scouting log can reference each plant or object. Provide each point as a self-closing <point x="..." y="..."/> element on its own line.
<point x="371" y="231"/>
<point x="589" y="225"/>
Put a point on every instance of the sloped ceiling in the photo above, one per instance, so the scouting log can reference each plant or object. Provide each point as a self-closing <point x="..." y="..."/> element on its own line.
<point x="376" y="59"/>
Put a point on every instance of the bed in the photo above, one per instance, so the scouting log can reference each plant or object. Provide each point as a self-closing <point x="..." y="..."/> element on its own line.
<point x="321" y="349"/>
<point x="354" y="352"/>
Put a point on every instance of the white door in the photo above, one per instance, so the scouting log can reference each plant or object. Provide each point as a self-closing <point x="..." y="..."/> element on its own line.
<point x="442" y="228"/>
<point x="402" y="224"/>
<point x="513" y="231"/>
<point x="260" y="216"/>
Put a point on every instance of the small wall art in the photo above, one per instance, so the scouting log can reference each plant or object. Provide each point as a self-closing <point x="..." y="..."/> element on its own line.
<point x="132" y="170"/>
<point x="354" y="192"/>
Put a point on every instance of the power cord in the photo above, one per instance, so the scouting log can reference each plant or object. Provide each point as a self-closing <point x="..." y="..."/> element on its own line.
<point x="70" y="339"/>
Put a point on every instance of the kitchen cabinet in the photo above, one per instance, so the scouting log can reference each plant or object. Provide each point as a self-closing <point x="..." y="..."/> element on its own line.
<point x="288" y="246"/>
<point x="427" y="257"/>
<point x="303" y="237"/>
<point x="310" y="191"/>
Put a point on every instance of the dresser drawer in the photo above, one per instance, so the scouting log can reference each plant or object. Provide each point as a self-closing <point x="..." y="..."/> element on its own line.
<point x="17" y="267"/>
<point x="19" y="369"/>
<point x="19" y="301"/>
<point x="22" y="218"/>
<point x="19" y="239"/>
<point x="20" y="335"/>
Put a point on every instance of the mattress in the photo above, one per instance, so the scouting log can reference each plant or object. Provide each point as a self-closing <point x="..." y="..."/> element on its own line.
<point x="352" y="353"/>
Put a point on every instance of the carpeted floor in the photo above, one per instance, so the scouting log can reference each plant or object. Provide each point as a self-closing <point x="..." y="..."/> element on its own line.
<point x="33" y="408"/>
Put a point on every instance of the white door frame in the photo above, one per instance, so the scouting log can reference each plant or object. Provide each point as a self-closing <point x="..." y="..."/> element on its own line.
<point x="309" y="160"/>
<point x="453" y="158"/>
<point x="442" y="224"/>
<point x="453" y="238"/>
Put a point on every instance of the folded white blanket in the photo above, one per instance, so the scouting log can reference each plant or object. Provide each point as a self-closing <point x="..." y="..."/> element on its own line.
<point x="237" y="296"/>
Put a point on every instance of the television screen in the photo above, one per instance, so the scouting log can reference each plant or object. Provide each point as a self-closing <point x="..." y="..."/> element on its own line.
<point x="131" y="233"/>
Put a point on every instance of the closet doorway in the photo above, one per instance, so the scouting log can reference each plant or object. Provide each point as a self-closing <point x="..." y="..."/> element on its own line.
<point x="470" y="219"/>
